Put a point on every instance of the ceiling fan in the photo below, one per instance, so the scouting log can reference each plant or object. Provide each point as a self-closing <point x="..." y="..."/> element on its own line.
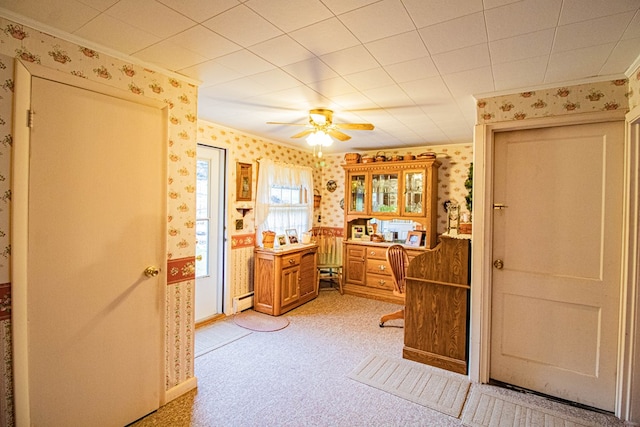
<point x="321" y="122"/>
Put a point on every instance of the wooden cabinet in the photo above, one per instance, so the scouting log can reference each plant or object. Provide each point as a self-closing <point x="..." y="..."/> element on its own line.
<point x="367" y="273"/>
<point x="284" y="279"/>
<point x="437" y="306"/>
<point x="393" y="190"/>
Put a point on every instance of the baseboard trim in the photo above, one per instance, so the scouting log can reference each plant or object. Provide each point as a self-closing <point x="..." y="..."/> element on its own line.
<point x="179" y="390"/>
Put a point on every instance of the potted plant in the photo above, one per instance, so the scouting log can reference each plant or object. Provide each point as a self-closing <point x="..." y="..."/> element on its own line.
<point x="465" y="223"/>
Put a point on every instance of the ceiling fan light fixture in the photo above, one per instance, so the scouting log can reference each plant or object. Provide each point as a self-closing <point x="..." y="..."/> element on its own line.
<point x="319" y="138"/>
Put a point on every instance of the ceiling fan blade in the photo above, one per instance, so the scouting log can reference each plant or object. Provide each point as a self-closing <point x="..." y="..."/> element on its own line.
<point x="287" y="124"/>
<point x="354" y="126"/>
<point x="339" y="135"/>
<point x="303" y="133"/>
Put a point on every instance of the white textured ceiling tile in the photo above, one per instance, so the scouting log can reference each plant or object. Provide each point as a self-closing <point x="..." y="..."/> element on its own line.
<point x="325" y="37"/>
<point x="351" y="60"/>
<point x="210" y="73"/>
<point x="462" y="59"/>
<point x="388" y="96"/>
<point x="310" y="70"/>
<point x="375" y="77"/>
<point x="412" y="70"/>
<point x="590" y="33"/>
<point x="477" y="80"/>
<point x="379" y="20"/>
<point x="341" y="6"/>
<point x="400" y="48"/>
<point x="491" y="4"/>
<point x="242" y="26"/>
<point x="105" y="30"/>
<point x="429" y="12"/>
<point x="236" y="89"/>
<point x="332" y="87"/>
<point x="352" y="101"/>
<point x="461" y="32"/>
<point x="281" y="51"/>
<point x="51" y="12"/>
<point x="623" y="54"/>
<point x="204" y="42"/>
<point x="427" y="91"/>
<point x="169" y="55"/>
<point x="583" y="10"/>
<point x="200" y="10"/>
<point x="150" y="16"/>
<point x="289" y="15"/>
<point x="275" y="80"/>
<point x="633" y="29"/>
<point x="245" y="62"/>
<point x="576" y="64"/>
<point x="101" y="5"/>
<point x="522" y="17"/>
<point x="520" y="74"/>
<point x="520" y="47"/>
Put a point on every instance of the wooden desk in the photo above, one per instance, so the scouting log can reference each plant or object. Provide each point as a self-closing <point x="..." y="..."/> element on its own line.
<point x="437" y="306"/>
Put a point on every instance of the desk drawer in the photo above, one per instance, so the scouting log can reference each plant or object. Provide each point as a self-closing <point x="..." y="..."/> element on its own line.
<point x="378" y="266"/>
<point x="290" y="260"/>
<point x="380" y="281"/>
<point x="377" y="252"/>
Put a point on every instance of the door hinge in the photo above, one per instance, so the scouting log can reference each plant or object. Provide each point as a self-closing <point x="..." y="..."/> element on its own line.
<point x="499" y="206"/>
<point x="30" y="114"/>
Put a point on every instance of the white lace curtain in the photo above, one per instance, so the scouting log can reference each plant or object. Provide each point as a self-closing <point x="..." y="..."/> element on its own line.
<point x="276" y="216"/>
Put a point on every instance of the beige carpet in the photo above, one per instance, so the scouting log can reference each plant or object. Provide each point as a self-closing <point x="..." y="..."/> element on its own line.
<point x="216" y="335"/>
<point x="260" y="322"/>
<point x="422" y="384"/>
<point x="487" y="407"/>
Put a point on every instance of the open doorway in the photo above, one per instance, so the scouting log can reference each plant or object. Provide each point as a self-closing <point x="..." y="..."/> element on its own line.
<point x="210" y="232"/>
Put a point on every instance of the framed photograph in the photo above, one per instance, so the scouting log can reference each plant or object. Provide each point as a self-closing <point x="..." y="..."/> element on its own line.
<point x="357" y="232"/>
<point x="414" y="238"/>
<point x="243" y="182"/>
<point x="281" y="239"/>
<point x="370" y="230"/>
<point x="292" y="234"/>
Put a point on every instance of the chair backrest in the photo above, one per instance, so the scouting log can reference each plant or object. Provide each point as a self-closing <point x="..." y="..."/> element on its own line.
<point x="399" y="262"/>
<point x="329" y="249"/>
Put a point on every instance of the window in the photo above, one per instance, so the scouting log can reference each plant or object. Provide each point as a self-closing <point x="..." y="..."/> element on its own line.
<point x="284" y="198"/>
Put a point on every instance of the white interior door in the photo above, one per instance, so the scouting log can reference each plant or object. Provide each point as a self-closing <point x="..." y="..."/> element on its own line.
<point x="210" y="207"/>
<point x="96" y="219"/>
<point x="555" y="303"/>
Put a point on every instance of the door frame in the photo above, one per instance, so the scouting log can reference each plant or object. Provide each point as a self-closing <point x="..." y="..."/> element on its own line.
<point x="23" y="72"/>
<point x="482" y="237"/>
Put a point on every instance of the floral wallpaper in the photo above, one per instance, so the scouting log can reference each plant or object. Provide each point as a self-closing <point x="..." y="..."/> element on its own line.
<point x="455" y="161"/>
<point x="181" y="97"/>
<point x="634" y="89"/>
<point x="584" y="98"/>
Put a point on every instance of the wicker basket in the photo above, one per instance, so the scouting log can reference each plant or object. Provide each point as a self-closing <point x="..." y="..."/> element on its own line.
<point x="352" y="158"/>
<point x="268" y="237"/>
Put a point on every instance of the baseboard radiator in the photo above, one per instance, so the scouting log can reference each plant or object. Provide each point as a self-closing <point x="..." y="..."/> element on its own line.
<point x="242" y="302"/>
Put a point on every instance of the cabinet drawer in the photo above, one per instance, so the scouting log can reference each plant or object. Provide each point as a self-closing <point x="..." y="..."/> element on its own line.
<point x="290" y="260"/>
<point x="378" y="266"/>
<point x="380" y="281"/>
<point x="376" y="252"/>
<point x="355" y="251"/>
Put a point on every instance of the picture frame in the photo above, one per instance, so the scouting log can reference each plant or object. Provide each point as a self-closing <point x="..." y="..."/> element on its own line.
<point x="281" y="239"/>
<point x="370" y="230"/>
<point x="357" y="232"/>
<point x="292" y="235"/>
<point x="243" y="181"/>
<point x="414" y="238"/>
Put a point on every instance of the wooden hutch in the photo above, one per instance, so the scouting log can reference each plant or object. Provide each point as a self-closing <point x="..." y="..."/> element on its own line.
<point x="400" y="190"/>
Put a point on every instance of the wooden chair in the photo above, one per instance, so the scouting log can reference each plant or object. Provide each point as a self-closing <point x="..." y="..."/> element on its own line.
<point x="399" y="262"/>
<point x="329" y="258"/>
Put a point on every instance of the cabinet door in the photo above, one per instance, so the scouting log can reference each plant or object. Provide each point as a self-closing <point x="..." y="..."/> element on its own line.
<point x="384" y="193"/>
<point x="307" y="274"/>
<point x="355" y="265"/>
<point x="289" y="286"/>
<point x="413" y="198"/>
<point x="357" y="193"/>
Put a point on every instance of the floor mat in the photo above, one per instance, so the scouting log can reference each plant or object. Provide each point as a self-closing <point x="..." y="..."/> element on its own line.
<point x="426" y="385"/>
<point x="216" y="335"/>
<point x="260" y="322"/>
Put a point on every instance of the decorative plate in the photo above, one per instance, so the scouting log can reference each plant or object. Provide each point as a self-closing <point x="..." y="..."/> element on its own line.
<point x="342" y="204"/>
<point x="331" y="186"/>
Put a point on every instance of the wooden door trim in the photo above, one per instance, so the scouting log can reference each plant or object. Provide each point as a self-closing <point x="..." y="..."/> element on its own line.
<point x="481" y="276"/>
<point x="23" y="73"/>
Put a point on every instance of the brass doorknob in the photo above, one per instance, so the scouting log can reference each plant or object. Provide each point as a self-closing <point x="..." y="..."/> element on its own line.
<point x="498" y="264"/>
<point x="151" y="271"/>
<point x="199" y="258"/>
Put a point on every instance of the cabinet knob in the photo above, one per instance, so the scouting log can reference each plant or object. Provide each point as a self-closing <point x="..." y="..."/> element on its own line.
<point x="291" y="261"/>
<point x="372" y="253"/>
<point x="382" y="267"/>
<point x="382" y="282"/>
